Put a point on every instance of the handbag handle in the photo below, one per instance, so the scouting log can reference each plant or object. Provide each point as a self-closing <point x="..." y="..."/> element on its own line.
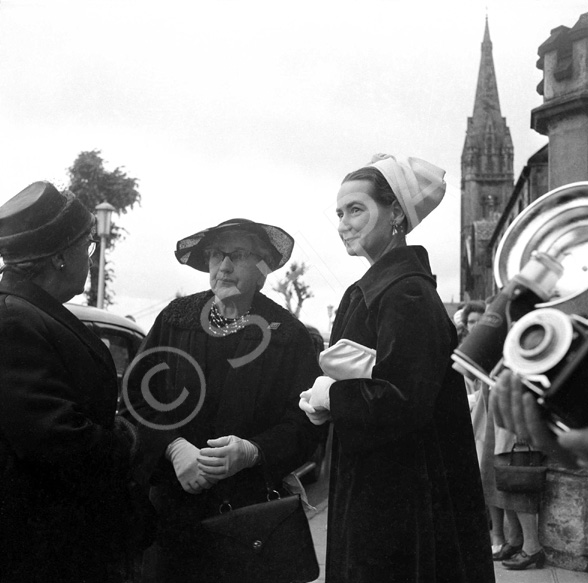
<point x="224" y="494"/>
<point x="226" y="506"/>
<point x="528" y="452"/>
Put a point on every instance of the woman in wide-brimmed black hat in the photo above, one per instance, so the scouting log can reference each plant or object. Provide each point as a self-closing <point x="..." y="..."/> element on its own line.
<point x="65" y="458"/>
<point x="223" y="418"/>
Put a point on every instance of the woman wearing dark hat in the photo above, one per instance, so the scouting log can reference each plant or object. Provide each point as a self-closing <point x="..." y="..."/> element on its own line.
<point x="64" y="458"/>
<point x="223" y="419"/>
<point x="405" y="500"/>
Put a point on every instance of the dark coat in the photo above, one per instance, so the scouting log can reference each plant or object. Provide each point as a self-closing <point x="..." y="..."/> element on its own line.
<point x="64" y="460"/>
<point x="405" y="501"/>
<point x="257" y="401"/>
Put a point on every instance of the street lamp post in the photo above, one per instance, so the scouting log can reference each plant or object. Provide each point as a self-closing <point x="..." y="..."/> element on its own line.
<point x="103" y="215"/>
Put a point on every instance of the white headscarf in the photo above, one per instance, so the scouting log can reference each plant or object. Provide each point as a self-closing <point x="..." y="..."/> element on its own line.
<point x="417" y="184"/>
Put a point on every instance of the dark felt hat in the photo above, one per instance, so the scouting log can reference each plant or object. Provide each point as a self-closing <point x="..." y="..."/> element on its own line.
<point x="190" y="250"/>
<point x="41" y="221"/>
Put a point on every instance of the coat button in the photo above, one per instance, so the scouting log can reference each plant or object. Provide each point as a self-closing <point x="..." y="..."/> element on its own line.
<point x="257" y="544"/>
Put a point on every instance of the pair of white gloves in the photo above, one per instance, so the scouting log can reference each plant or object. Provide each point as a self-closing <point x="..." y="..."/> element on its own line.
<point x="200" y="469"/>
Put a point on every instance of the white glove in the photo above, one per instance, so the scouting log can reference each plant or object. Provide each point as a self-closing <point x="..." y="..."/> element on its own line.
<point x="316" y="402"/>
<point x="226" y="456"/>
<point x="184" y="457"/>
<point x="319" y="395"/>
<point x="316" y="417"/>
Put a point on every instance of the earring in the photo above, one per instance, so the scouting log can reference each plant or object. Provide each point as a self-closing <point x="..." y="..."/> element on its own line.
<point x="62" y="266"/>
<point x="394" y="230"/>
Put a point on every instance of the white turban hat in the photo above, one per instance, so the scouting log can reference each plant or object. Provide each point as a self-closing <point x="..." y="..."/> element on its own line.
<point x="417" y="184"/>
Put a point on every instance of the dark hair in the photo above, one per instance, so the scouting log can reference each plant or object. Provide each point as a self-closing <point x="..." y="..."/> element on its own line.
<point x="382" y="192"/>
<point x="473" y="306"/>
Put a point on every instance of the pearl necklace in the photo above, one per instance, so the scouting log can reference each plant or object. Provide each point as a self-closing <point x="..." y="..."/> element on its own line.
<point x="220" y="326"/>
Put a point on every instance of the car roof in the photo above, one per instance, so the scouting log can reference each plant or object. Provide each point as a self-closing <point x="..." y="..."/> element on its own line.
<point x="91" y="314"/>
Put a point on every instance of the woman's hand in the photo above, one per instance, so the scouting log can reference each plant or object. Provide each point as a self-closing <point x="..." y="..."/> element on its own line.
<point x="315" y="417"/>
<point x="184" y="458"/>
<point x="316" y="402"/>
<point x="226" y="456"/>
<point x="516" y="409"/>
<point x="576" y="442"/>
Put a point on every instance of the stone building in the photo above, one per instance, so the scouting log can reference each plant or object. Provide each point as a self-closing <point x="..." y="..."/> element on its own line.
<point x="486" y="178"/>
<point x="563" y="118"/>
<point x="531" y="184"/>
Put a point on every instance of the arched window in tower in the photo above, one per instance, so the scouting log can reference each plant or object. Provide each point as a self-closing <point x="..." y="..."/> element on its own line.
<point x="490" y="137"/>
<point x="507" y="159"/>
<point x="489" y="204"/>
<point x="489" y="146"/>
<point x="471" y="157"/>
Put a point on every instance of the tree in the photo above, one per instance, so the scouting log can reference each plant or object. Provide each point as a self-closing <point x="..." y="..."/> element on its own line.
<point x="293" y="288"/>
<point x="93" y="184"/>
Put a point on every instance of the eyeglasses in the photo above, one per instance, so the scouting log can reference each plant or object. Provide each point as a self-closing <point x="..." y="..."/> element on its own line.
<point x="237" y="257"/>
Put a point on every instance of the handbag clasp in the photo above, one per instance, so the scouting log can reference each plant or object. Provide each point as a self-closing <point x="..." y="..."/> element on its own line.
<point x="225" y="507"/>
<point x="273" y="495"/>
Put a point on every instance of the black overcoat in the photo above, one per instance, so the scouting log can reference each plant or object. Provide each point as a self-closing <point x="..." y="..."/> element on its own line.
<point x="64" y="462"/>
<point x="257" y="401"/>
<point x="405" y="503"/>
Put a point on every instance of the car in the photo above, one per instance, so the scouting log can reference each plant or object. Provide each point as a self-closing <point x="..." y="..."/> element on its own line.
<point x="122" y="335"/>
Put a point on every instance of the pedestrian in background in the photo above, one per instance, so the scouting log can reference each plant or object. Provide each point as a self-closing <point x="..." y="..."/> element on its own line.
<point x="65" y="511"/>
<point x="472" y="313"/>
<point x="514" y="515"/>
<point x="459" y="325"/>
<point x="405" y="499"/>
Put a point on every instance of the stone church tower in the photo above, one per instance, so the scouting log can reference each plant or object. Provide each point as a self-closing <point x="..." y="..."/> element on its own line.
<point x="486" y="178"/>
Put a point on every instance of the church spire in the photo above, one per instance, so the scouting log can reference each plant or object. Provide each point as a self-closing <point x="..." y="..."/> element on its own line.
<point x="488" y="153"/>
<point x="486" y="173"/>
<point x="487" y="89"/>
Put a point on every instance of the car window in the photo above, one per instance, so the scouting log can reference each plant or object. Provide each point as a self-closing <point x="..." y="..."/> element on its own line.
<point x="123" y="344"/>
<point x="119" y="347"/>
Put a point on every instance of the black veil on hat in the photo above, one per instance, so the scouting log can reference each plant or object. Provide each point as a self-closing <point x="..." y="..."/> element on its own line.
<point x="190" y="250"/>
<point x="40" y="221"/>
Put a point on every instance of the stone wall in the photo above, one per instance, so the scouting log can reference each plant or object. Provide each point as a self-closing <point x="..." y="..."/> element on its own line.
<point x="563" y="518"/>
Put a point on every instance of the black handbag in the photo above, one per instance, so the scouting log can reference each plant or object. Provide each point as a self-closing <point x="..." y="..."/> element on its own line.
<point x="268" y="542"/>
<point x="520" y="471"/>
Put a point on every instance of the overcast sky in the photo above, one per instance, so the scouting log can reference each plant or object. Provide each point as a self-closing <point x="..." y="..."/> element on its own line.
<point x="228" y="109"/>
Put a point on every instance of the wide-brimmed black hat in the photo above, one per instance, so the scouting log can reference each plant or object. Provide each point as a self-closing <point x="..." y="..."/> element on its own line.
<point x="190" y="250"/>
<point x="40" y="221"/>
